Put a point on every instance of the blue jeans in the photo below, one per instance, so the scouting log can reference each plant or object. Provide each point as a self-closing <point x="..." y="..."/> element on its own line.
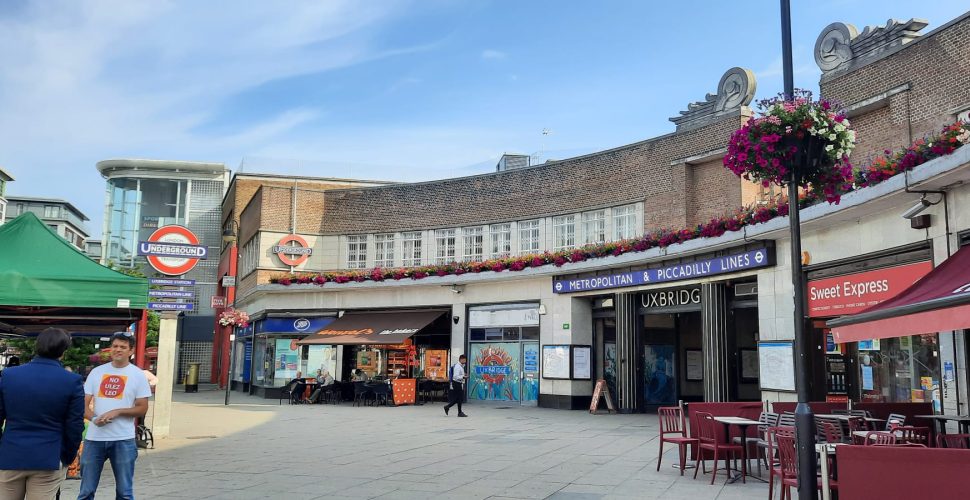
<point x="122" y="455"/>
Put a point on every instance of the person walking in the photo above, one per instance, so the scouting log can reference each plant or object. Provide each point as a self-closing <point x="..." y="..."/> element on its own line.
<point x="456" y="391"/>
<point x="115" y="394"/>
<point x="42" y="406"/>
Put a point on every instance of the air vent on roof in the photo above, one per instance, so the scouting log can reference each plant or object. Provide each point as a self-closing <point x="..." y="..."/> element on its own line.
<point x="511" y="161"/>
<point x="745" y="289"/>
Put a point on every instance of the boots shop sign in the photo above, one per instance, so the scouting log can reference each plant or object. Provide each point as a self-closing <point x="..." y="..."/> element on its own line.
<point x="730" y="263"/>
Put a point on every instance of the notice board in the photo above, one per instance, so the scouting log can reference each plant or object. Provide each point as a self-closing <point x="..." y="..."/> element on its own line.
<point x="776" y="365"/>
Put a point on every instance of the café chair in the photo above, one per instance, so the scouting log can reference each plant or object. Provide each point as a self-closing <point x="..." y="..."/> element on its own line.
<point x="880" y="438"/>
<point x="287" y="391"/>
<point x="857" y="424"/>
<point x="362" y="392"/>
<point x="833" y="432"/>
<point x="895" y="417"/>
<point x="788" y="458"/>
<point x="957" y="441"/>
<point x="916" y="435"/>
<point x="787" y="419"/>
<point x="765" y="420"/>
<point x="707" y="437"/>
<point x="673" y="429"/>
<point x="774" y="466"/>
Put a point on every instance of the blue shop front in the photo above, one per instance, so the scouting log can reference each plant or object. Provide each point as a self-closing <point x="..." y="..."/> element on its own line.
<point x="266" y="355"/>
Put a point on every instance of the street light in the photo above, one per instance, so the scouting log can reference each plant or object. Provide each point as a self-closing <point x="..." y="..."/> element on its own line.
<point x="229" y="237"/>
<point x="804" y="419"/>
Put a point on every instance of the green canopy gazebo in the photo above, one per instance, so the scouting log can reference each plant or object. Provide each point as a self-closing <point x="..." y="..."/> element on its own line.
<point x="45" y="281"/>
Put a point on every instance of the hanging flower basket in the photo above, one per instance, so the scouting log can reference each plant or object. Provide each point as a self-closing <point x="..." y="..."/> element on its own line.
<point x="234" y="317"/>
<point x="800" y="135"/>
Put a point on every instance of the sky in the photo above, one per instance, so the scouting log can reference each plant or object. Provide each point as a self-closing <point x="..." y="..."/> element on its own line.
<point x="391" y="89"/>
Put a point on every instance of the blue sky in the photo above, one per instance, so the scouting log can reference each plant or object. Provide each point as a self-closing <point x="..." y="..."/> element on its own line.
<point x="396" y="90"/>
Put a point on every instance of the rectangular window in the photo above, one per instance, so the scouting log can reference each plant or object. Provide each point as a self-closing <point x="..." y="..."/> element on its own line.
<point x="501" y="239"/>
<point x="564" y="232"/>
<point x="248" y="257"/>
<point x="529" y="237"/>
<point x="473" y="240"/>
<point x="411" y="247"/>
<point x="383" y="250"/>
<point x="624" y="222"/>
<point x="444" y="246"/>
<point x="594" y="226"/>
<point x="357" y="252"/>
<point x="51" y="211"/>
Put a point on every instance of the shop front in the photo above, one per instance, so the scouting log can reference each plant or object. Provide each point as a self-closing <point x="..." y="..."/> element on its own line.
<point x="385" y="345"/>
<point x="680" y="334"/>
<point x="877" y="370"/>
<point x="503" y="353"/>
<point x="274" y="357"/>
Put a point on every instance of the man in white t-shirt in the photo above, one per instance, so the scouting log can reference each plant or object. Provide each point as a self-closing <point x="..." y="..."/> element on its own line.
<point x="456" y="393"/>
<point x="115" y="394"/>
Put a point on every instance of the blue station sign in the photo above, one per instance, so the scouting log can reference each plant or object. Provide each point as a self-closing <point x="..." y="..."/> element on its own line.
<point x="171" y="294"/>
<point x="689" y="270"/>
<point x="171" y="306"/>
<point x="170" y="282"/>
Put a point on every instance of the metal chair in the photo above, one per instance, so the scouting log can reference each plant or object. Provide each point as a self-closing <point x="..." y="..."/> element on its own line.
<point x="787" y="419"/>
<point x="880" y="438"/>
<point x="895" y="417"/>
<point x="957" y="441"/>
<point x="774" y="466"/>
<point x="708" y="441"/>
<point x="788" y="457"/>
<point x="673" y="429"/>
<point x="765" y="421"/>
<point x="915" y="435"/>
<point x="857" y="424"/>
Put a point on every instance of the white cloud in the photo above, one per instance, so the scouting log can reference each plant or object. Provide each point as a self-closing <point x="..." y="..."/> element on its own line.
<point x="493" y="54"/>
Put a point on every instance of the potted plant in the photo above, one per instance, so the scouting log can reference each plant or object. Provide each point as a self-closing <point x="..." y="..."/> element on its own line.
<point x="795" y="140"/>
<point x="234" y="317"/>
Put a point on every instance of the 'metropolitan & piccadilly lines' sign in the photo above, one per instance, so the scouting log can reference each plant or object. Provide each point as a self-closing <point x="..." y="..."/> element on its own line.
<point x="689" y="270"/>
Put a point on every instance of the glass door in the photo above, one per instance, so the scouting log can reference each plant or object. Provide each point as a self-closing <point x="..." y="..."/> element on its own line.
<point x="494" y="371"/>
<point x="530" y="374"/>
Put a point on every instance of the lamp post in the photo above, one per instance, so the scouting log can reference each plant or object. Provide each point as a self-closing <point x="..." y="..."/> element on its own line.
<point x="804" y="419"/>
<point x="229" y="237"/>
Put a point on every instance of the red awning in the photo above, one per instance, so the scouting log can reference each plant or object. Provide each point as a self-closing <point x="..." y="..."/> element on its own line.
<point x="938" y="302"/>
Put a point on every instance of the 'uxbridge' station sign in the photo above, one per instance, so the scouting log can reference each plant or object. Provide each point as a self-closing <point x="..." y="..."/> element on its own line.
<point x="698" y="269"/>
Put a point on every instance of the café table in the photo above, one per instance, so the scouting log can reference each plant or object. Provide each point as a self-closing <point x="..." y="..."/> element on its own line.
<point x="743" y="424"/>
<point x="870" y="421"/>
<point x="824" y="450"/>
<point x="962" y="420"/>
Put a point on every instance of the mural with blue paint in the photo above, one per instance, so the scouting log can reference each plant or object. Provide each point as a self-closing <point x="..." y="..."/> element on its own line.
<point x="494" y="372"/>
<point x="530" y="366"/>
<point x="658" y="374"/>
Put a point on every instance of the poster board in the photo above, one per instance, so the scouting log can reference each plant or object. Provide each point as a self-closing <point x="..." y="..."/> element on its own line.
<point x="776" y="365"/>
<point x="600" y="391"/>
<point x="556" y="362"/>
<point x="749" y="365"/>
<point x="436" y="364"/>
<point x="582" y="363"/>
<point x="694" y="365"/>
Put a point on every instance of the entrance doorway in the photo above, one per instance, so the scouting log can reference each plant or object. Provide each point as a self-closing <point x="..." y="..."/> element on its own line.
<point x="669" y="369"/>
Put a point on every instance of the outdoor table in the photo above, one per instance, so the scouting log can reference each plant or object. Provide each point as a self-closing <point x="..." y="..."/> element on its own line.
<point x="962" y="420"/>
<point x="824" y="450"/>
<point x="743" y="424"/>
<point x="845" y="418"/>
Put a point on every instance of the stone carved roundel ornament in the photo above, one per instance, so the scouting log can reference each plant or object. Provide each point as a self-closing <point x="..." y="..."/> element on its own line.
<point x="736" y="89"/>
<point x="833" y="49"/>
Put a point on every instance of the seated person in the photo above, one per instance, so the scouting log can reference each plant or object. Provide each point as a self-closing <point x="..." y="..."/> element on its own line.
<point x="324" y="378"/>
<point x="299" y="387"/>
<point x="358" y="375"/>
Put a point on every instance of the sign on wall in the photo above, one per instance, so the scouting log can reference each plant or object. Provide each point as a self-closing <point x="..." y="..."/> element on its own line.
<point x="173" y="250"/>
<point x="853" y="293"/>
<point x="671" y="298"/>
<point x="777" y="366"/>
<point x="689" y="270"/>
<point x="292" y="250"/>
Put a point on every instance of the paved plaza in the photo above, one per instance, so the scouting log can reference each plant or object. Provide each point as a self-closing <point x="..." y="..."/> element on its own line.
<point x="257" y="449"/>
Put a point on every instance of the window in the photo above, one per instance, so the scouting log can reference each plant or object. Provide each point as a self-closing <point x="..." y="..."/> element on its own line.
<point x="594" y="226"/>
<point x="444" y="246"/>
<point x="20" y="209"/>
<point x="529" y="236"/>
<point x="383" y="250"/>
<point x="357" y="252"/>
<point x="248" y="257"/>
<point x="564" y="232"/>
<point x="473" y="239"/>
<point x="411" y="246"/>
<point x="624" y="222"/>
<point x="51" y="211"/>
<point x="501" y="239"/>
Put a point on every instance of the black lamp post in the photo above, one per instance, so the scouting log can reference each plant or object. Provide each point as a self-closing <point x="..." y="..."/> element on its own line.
<point x="804" y="419"/>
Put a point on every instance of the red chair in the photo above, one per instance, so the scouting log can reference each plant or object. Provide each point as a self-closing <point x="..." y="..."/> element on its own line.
<point x="857" y="424"/>
<point x="707" y="432"/>
<point x="833" y="432"/>
<point x="880" y="438"/>
<point x="788" y="458"/>
<point x="959" y="441"/>
<point x="915" y="435"/>
<point x="673" y="429"/>
<point x="774" y="466"/>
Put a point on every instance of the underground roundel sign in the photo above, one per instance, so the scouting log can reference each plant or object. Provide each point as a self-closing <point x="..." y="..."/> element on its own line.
<point x="293" y="250"/>
<point x="172" y="250"/>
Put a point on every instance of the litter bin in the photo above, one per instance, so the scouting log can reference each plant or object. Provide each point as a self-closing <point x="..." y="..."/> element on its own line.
<point x="192" y="378"/>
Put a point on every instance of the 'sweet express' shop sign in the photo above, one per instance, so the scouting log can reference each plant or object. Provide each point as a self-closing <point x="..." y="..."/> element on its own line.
<point x="697" y="269"/>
